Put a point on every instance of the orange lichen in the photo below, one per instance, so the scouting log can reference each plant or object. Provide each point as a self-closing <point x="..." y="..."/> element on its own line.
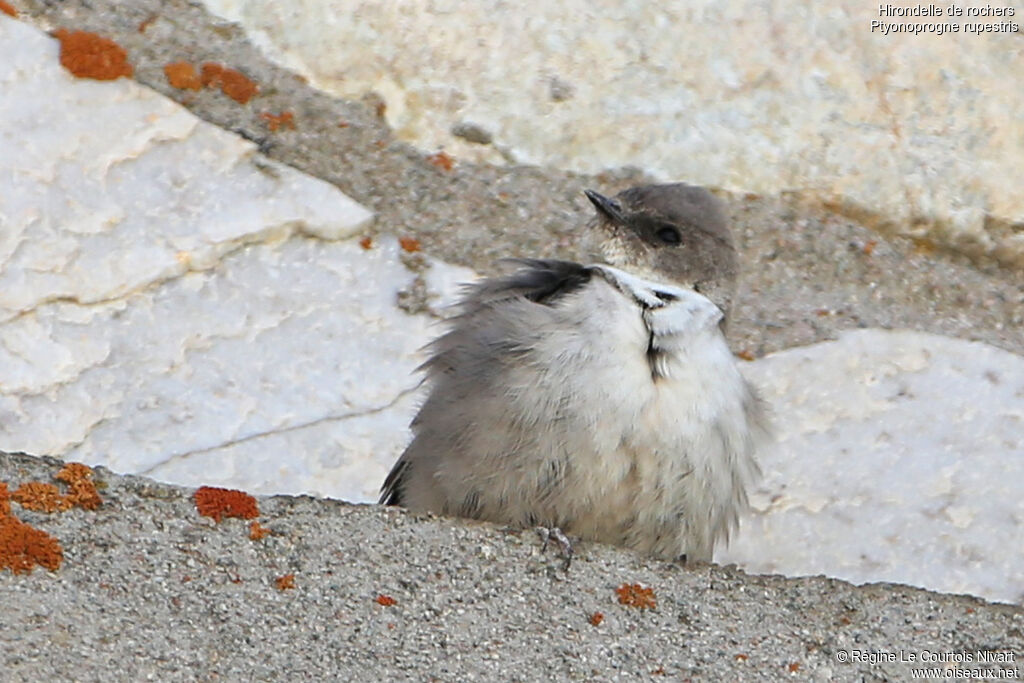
<point x="87" y="55"/>
<point x="386" y="600"/>
<point x="441" y="160"/>
<point x="72" y="472"/>
<point x="286" y="582"/>
<point x="794" y="667"/>
<point x="274" y="121"/>
<point x="745" y="355"/>
<point x="870" y="247"/>
<point x="741" y="657"/>
<point x="5" y="500"/>
<point x="84" y="495"/>
<point x="409" y="244"/>
<point x="7" y="9"/>
<point x="258" y="532"/>
<point x="366" y="242"/>
<point x="46" y="498"/>
<point x="635" y="595"/>
<point x="218" y="503"/>
<point x="83" y="490"/>
<point x="232" y="83"/>
<point x="35" y="495"/>
<point x="22" y="547"/>
<point x="596" y="618"/>
<point x="145" y="23"/>
<point x="183" y="76"/>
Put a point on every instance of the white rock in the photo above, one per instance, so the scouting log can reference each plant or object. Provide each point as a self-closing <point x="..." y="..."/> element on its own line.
<point x="900" y="457"/>
<point x="111" y="187"/>
<point x="173" y="303"/>
<point x="753" y="97"/>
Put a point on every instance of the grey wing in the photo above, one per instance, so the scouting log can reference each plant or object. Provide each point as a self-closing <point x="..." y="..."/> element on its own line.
<point x="539" y="280"/>
<point x="463" y="375"/>
<point x="394" y="484"/>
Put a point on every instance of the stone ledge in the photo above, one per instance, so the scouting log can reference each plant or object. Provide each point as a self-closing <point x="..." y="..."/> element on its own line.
<point x="150" y="588"/>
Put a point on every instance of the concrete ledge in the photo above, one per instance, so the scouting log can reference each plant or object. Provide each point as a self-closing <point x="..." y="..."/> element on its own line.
<point x="150" y="589"/>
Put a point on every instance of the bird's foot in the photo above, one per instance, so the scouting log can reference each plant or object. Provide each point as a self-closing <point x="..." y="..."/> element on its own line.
<point x="548" y="534"/>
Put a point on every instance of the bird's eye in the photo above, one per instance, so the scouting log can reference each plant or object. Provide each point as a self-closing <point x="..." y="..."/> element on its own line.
<point x="668" y="235"/>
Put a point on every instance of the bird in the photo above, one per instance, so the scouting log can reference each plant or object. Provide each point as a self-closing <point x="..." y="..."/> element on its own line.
<point x="600" y="401"/>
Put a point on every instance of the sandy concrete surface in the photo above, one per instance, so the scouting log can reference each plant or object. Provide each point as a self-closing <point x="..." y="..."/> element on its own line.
<point x="150" y="590"/>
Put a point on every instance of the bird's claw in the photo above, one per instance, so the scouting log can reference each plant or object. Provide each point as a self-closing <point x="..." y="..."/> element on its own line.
<point x="564" y="544"/>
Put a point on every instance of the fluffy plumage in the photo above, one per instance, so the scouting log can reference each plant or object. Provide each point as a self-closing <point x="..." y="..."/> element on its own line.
<point x="585" y="398"/>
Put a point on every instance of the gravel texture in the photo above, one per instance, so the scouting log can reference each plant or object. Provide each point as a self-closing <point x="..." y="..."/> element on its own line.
<point x="151" y="590"/>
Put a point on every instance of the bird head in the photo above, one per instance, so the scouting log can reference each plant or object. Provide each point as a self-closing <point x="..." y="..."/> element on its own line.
<point x="674" y="233"/>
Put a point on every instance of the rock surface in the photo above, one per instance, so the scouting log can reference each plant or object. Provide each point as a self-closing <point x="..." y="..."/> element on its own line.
<point x="899" y="457"/>
<point x="148" y="588"/>
<point x="917" y="133"/>
<point x="256" y="335"/>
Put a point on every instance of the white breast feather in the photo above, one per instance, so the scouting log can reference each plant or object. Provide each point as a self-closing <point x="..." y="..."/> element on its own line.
<point x="671" y="445"/>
